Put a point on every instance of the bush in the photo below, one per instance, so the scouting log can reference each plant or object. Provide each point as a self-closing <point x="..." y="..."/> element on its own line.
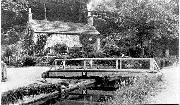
<point x="75" y="53"/>
<point x="138" y="92"/>
<point x="97" y="55"/>
<point x="111" y="50"/>
<point x="60" y="48"/>
<point x="28" y="61"/>
<point x="13" y="96"/>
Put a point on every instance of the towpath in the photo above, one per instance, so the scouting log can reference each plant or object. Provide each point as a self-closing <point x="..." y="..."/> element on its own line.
<point x="170" y="94"/>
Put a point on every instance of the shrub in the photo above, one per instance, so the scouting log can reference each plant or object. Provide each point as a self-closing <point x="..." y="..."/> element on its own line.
<point x="138" y="92"/>
<point x="97" y="55"/>
<point x="13" y="96"/>
<point x="75" y="53"/>
<point x="28" y="61"/>
<point x="60" y="48"/>
<point x="111" y="50"/>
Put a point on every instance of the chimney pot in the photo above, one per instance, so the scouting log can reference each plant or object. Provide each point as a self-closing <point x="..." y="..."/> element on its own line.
<point x="90" y="17"/>
<point x="30" y="15"/>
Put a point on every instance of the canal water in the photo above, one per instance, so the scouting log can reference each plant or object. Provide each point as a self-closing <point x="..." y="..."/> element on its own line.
<point x="85" y="97"/>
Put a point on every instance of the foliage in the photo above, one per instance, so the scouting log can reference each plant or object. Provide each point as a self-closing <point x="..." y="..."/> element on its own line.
<point x="41" y="42"/>
<point x="13" y="22"/>
<point x="138" y="92"/>
<point x="11" y="53"/>
<point x="11" y="37"/>
<point x="60" y="48"/>
<point x="13" y="96"/>
<point x="28" y="61"/>
<point x="110" y="48"/>
<point x="8" y="52"/>
<point x="139" y="21"/>
<point x="75" y="52"/>
<point x="58" y="10"/>
<point x="28" y="44"/>
<point x="87" y="50"/>
<point x="11" y="50"/>
<point x="14" y="14"/>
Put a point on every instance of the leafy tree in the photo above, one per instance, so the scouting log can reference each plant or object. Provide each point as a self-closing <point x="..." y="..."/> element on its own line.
<point x="11" y="37"/>
<point x="14" y="14"/>
<point x="139" y="21"/>
<point x="13" y="23"/>
<point x="41" y="42"/>
<point x="28" y="44"/>
<point x="59" y="10"/>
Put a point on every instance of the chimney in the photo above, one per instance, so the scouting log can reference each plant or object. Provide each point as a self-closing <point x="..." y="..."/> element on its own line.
<point x="30" y="15"/>
<point x="90" y="16"/>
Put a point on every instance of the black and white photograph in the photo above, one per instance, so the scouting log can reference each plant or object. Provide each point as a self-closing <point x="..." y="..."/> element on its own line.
<point x="89" y="52"/>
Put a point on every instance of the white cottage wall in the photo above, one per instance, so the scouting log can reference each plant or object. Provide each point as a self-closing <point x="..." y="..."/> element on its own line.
<point x="69" y="40"/>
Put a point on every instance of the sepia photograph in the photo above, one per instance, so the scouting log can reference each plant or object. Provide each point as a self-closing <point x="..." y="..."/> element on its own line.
<point x="89" y="52"/>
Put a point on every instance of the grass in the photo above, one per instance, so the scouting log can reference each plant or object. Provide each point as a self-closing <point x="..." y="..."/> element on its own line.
<point x="137" y="93"/>
<point x="13" y="96"/>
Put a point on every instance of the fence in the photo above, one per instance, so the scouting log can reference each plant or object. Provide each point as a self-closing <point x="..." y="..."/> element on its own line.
<point x="106" y="65"/>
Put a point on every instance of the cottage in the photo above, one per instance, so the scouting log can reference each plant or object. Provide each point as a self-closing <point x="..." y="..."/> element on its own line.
<point x="69" y="33"/>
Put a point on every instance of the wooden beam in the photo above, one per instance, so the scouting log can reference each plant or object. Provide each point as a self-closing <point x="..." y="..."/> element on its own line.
<point x="101" y="70"/>
<point x="63" y="33"/>
<point x="106" y="59"/>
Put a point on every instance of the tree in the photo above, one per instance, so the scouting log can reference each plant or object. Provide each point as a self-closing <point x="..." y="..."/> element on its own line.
<point x="41" y="42"/>
<point x="59" y="10"/>
<point x="13" y="23"/>
<point x="14" y="15"/>
<point x="28" y="44"/>
<point x="138" y="20"/>
<point x="11" y="37"/>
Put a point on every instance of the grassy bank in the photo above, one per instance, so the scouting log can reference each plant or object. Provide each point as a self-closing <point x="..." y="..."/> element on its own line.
<point x="13" y="96"/>
<point x="139" y="92"/>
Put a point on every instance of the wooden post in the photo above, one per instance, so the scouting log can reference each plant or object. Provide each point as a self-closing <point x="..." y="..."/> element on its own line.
<point x="117" y="64"/>
<point x="120" y="64"/>
<point x="64" y="64"/>
<point x="84" y="67"/>
<point x="84" y="64"/>
<point x="151" y="64"/>
<point x="30" y="15"/>
<point x="55" y="63"/>
<point x="91" y="63"/>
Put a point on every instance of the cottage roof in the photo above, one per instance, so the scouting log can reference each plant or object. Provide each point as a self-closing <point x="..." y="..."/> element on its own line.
<point x="59" y="27"/>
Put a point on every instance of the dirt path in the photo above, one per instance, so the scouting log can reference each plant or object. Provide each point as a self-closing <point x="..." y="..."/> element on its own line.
<point x="18" y="77"/>
<point x="170" y="94"/>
